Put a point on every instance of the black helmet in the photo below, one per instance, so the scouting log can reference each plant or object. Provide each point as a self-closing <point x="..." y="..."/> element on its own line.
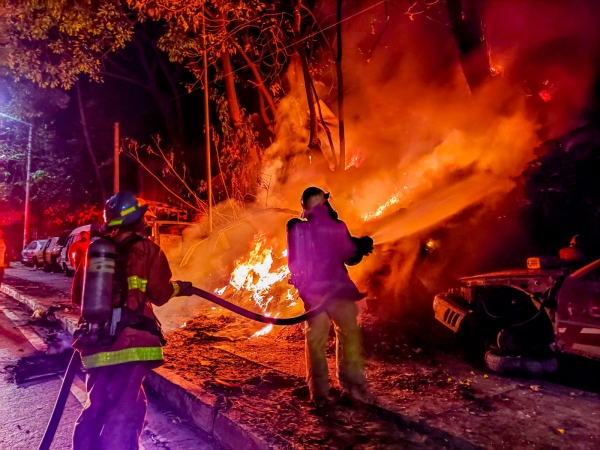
<point x="124" y="210"/>
<point x="310" y="192"/>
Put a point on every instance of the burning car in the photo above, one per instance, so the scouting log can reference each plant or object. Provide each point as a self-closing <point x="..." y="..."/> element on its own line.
<point x="525" y="317"/>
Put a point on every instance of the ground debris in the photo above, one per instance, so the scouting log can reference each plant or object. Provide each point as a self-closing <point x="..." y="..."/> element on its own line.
<point x="276" y="402"/>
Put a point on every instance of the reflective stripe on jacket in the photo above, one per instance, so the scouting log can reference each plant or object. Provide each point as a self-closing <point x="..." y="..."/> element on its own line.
<point x="149" y="283"/>
<point x="122" y="356"/>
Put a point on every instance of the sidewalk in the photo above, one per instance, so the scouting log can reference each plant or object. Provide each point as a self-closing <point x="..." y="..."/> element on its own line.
<point x="249" y="393"/>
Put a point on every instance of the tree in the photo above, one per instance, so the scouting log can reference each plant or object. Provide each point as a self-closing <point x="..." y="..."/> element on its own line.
<point x="60" y="196"/>
<point x="52" y="42"/>
<point x="144" y="65"/>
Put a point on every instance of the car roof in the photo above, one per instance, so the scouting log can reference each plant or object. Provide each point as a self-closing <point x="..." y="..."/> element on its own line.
<point x="89" y="227"/>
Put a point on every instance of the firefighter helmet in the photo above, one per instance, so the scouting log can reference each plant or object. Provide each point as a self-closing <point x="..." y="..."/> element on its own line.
<point x="310" y="197"/>
<point x="124" y="210"/>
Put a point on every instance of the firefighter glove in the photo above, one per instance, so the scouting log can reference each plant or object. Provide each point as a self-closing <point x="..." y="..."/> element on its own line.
<point x="364" y="246"/>
<point x="183" y="289"/>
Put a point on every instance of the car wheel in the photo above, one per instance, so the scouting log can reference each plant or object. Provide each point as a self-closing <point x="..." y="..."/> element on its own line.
<point x="505" y="364"/>
<point x="35" y="262"/>
<point x="525" y="365"/>
<point x="47" y="268"/>
<point x="69" y="273"/>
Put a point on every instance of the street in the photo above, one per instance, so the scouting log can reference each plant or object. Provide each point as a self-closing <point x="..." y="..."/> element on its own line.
<point x="240" y="390"/>
<point x="25" y="407"/>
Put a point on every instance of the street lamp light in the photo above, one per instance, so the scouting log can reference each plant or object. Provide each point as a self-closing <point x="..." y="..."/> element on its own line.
<point x="27" y="178"/>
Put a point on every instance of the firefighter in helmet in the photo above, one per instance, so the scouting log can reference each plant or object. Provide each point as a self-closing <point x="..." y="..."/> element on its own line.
<point x="113" y="416"/>
<point x="319" y="248"/>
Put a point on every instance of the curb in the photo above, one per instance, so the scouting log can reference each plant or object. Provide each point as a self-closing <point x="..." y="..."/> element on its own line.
<point x="188" y="400"/>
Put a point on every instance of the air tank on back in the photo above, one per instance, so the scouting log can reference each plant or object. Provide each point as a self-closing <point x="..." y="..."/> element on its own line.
<point x="98" y="284"/>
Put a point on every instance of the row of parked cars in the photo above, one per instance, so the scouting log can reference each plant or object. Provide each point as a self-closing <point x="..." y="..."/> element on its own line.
<point x="52" y="254"/>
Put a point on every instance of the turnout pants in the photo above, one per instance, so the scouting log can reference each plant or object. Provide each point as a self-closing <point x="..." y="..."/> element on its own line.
<point x="114" y="413"/>
<point x="349" y="360"/>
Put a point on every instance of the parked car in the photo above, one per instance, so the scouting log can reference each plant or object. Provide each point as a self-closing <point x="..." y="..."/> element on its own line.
<point x="52" y="252"/>
<point x="32" y="255"/>
<point x="525" y="317"/>
<point x="45" y="252"/>
<point x="74" y="236"/>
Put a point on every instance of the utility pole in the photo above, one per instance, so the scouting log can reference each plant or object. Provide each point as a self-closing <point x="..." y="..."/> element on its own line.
<point x="26" y="215"/>
<point x="207" y="125"/>
<point x="117" y="152"/>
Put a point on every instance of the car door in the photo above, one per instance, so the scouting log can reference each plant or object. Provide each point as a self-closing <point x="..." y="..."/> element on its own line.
<point x="46" y="251"/>
<point x="578" y="312"/>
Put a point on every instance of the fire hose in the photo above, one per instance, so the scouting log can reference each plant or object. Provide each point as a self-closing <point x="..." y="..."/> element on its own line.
<point x="61" y="401"/>
<point x="75" y="362"/>
<point x="255" y="316"/>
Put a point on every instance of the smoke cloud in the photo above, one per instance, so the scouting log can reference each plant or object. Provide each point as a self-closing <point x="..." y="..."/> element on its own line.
<point x="422" y="147"/>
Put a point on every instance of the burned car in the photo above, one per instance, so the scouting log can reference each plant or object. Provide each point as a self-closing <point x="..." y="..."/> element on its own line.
<point x="525" y="317"/>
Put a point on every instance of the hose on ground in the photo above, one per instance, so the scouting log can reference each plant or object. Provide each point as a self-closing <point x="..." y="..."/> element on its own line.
<point x="61" y="400"/>
<point x="255" y="316"/>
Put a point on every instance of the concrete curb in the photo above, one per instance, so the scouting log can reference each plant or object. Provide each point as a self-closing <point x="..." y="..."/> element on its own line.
<point x="188" y="400"/>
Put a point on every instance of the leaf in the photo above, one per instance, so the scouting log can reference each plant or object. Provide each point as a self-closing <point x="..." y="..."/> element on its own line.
<point x="560" y="430"/>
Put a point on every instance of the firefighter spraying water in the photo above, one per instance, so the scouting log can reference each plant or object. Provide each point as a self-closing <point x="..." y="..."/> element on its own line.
<point x="319" y="247"/>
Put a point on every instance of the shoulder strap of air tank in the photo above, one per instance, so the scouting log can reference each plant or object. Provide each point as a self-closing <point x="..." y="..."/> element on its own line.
<point x="123" y="248"/>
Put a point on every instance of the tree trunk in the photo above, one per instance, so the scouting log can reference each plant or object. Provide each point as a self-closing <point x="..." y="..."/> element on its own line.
<point x="313" y="141"/>
<point x="340" y="81"/>
<point x="89" y="145"/>
<point x="232" y="100"/>
<point x="325" y="127"/>
<point x="467" y="28"/>
<point x="260" y="83"/>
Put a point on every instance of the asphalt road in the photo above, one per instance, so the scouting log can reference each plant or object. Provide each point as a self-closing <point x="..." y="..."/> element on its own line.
<point x="25" y="407"/>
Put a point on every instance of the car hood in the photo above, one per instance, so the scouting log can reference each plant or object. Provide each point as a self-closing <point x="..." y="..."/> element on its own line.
<point x="528" y="280"/>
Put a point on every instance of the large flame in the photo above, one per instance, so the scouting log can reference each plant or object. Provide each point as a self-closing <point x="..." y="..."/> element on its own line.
<point x="260" y="275"/>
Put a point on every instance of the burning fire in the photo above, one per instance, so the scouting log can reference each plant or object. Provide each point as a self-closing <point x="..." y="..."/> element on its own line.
<point x="256" y="275"/>
<point x="394" y="199"/>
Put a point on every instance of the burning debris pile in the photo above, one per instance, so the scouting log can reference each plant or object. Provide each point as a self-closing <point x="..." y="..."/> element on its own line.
<point x="260" y="279"/>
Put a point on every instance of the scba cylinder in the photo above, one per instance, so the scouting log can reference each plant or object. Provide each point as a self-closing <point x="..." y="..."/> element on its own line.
<point x="98" y="284"/>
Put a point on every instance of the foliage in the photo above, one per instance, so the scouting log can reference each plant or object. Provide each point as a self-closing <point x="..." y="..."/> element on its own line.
<point x="60" y="191"/>
<point x="52" y="42"/>
<point x="237" y="149"/>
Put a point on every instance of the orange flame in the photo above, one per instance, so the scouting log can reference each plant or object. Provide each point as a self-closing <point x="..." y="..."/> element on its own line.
<point x="257" y="274"/>
<point x="393" y="200"/>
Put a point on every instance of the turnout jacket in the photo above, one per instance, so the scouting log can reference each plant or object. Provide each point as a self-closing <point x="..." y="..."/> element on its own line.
<point x="318" y="249"/>
<point x="148" y="283"/>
